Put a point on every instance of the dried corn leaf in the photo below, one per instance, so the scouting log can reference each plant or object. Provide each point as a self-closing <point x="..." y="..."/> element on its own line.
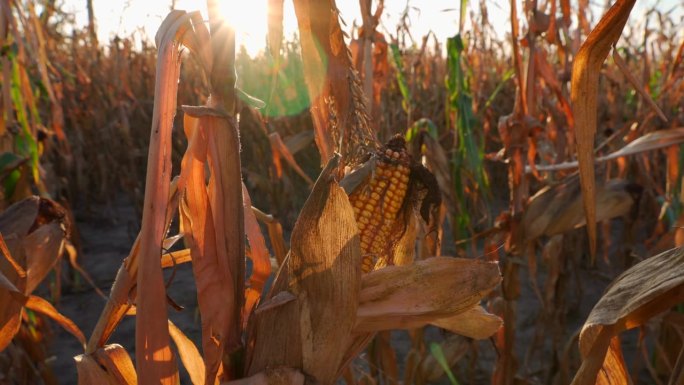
<point x="322" y="276"/>
<point x="35" y="231"/>
<point x="118" y="364"/>
<point x="11" y="311"/>
<point x="43" y="249"/>
<point x="280" y="150"/>
<point x="275" y="234"/>
<point x="557" y="209"/>
<point x="44" y="307"/>
<point x="475" y="323"/>
<point x="225" y="202"/>
<point x="401" y="297"/>
<point x="584" y="92"/>
<point x="261" y="263"/>
<point x="645" y="290"/>
<point x="91" y="373"/>
<point x="20" y="217"/>
<point x="213" y="287"/>
<point x="615" y="198"/>
<point x="155" y="362"/>
<point x="189" y="355"/>
<point x="12" y="314"/>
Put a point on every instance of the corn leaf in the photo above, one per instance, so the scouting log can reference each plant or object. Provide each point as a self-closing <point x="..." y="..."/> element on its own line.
<point x="261" y="263"/>
<point x="155" y="362"/>
<point x="189" y="355"/>
<point x="640" y="293"/>
<point x="475" y="323"/>
<point x="118" y="364"/>
<point x="402" y="297"/>
<point x="316" y="289"/>
<point x="213" y="287"/>
<point x="584" y="92"/>
<point x="91" y="373"/>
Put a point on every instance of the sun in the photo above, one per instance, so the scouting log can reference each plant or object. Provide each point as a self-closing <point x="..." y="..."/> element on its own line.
<point x="249" y="19"/>
<point x="143" y="18"/>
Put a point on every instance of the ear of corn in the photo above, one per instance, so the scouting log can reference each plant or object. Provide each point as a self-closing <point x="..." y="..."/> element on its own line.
<point x="377" y="204"/>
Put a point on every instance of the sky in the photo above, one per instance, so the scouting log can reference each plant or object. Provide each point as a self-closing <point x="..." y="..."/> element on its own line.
<point x="143" y="17"/>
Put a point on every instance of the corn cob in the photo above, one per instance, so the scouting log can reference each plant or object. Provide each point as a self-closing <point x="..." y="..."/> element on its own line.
<point x="378" y="202"/>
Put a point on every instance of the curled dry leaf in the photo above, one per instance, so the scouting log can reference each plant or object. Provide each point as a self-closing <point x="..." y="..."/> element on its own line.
<point x="323" y="274"/>
<point x="433" y="290"/>
<point x="118" y="363"/>
<point x="42" y="250"/>
<point x="475" y="323"/>
<point x="108" y="365"/>
<point x="557" y="209"/>
<point x="91" y="373"/>
<point x="34" y="232"/>
<point x="584" y="91"/>
<point x="640" y="293"/>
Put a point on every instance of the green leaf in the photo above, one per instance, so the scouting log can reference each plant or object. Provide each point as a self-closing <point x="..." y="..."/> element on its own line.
<point x="507" y="76"/>
<point x="401" y="79"/>
<point x="438" y="353"/>
<point x="421" y="125"/>
<point x="9" y="184"/>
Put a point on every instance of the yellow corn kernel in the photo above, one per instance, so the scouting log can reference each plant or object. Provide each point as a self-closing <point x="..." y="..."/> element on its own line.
<point x="377" y="203"/>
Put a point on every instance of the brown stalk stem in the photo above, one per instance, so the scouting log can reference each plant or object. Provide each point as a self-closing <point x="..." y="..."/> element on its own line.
<point x="91" y="23"/>
<point x="368" y="31"/>
<point x="521" y="105"/>
<point x="530" y="101"/>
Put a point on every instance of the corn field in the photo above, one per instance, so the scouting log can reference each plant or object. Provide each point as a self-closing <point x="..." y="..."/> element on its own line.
<point x="354" y="204"/>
